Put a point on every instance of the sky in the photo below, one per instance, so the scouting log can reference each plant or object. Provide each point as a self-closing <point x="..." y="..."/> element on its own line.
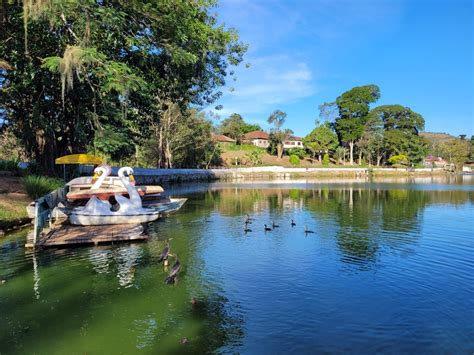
<point x="303" y="53"/>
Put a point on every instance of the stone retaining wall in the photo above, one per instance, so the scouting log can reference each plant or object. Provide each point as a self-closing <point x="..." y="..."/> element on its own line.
<point x="159" y="176"/>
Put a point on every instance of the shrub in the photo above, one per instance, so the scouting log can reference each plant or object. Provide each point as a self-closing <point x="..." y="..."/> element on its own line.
<point x="400" y="159"/>
<point x="255" y="157"/>
<point x="37" y="186"/>
<point x="294" y="160"/>
<point x="9" y="165"/>
<point x="326" y="160"/>
<point x="299" y="152"/>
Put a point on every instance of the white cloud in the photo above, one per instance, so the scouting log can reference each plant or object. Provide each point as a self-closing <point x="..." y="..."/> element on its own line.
<point x="270" y="81"/>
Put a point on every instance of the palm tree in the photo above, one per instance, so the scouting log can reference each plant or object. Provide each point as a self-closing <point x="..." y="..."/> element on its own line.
<point x="340" y="155"/>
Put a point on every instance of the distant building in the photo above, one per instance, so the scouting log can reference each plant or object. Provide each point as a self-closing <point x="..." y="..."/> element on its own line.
<point x="220" y="138"/>
<point x="258" y="138"/>
<point x="437" y="162"/>
<point x="293" y="142"/>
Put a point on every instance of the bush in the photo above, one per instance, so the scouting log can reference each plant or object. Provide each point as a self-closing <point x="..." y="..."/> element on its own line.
<point x="37" y="186"/>
<point x="294" y="160"/>
<point x="400" y="159"/>
<point x="299" y="152"/>
<point x="9" y="165"/>
<point x="255" y="157"/>
<point x="326" y="160"/>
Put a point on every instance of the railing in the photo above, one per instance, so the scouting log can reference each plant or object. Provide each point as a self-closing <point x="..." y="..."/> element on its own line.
<point x="44" y="207"/>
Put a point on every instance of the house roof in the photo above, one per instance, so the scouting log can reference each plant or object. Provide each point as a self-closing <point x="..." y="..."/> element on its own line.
<point x="222" y="138"/>
<point x="257" y="135"/>
<point x="295" y="138"/>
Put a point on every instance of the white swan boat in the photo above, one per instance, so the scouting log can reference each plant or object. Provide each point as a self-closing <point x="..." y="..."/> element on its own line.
<point x="104" y="186"/>
<point x="131" y="210"/>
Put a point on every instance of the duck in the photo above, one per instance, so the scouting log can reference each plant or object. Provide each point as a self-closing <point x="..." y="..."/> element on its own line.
<point x="293" y="223"/>
<point x="247" y="230"/>
<point x="165" y="253"/>
<point x="307" y="231"/>
<point x="171" y="279"/>
<point x="275" y="225"/>
<point x="267" y="228"/>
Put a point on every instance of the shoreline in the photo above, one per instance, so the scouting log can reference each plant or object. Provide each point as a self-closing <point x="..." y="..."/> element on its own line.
<point x="169" y="176"/>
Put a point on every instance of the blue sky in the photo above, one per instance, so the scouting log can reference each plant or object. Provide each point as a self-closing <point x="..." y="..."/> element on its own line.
<point x="306" y="52"/>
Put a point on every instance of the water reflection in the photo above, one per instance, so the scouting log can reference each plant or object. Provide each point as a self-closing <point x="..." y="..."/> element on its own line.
<point x="365" y="219"/>
<point x="260" y="292"/>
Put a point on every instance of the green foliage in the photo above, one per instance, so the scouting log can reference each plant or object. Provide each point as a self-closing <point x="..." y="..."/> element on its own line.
<point x="232" y="147"/>
<point x="400" y="159"/>
<point x="96" y="64"/>
<point x="471" y="148"/>
<point x="110" y="142"/>
<point x="321" y="140"/>
<point x="37" y="186"/>
<point x="326" y="160"/>
<point x="9" y="165"/>
<point x="235" y="127"/>
<point x="456" y="152"/>
<point x="10" y="146"/>
<point x="353" y="106"/>
<point x="340" y="154"/>
<point x="254" y="157"/>
<point x="299" y="152"/>
<point x="294" y="160"/>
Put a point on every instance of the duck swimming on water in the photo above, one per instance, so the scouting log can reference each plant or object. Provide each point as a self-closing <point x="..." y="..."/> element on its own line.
<point x="165" y="253"/>
<point x="293" y="223"/>
<point x="307" y="231"/>
<point x="275" y="225"/>
<point x="267" y="228"/>
<point x="171" y="279"/>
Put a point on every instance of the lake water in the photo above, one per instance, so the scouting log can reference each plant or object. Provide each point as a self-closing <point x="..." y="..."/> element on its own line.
<point x="388" y="269"/>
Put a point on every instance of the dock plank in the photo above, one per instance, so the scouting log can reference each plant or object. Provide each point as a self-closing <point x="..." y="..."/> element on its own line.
<point x="69" y="235"/>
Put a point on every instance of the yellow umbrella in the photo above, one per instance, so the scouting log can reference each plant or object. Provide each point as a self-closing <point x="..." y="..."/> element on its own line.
<point x="78" y="159"/>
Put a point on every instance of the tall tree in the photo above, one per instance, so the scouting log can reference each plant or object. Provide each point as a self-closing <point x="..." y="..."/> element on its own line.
<point x="321" y="140"/>
<point x="278" y="136"/>
<point x="401" y="131"/>
<point x="235" y="127"/>
<point x="83" y="67"/>
<point x="353" y="106"/>
<point x="456" y="151"/>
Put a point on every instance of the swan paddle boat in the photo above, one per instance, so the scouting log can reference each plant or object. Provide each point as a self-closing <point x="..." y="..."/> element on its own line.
<point x="130" y="210"/>
<point x="104" y="186"/>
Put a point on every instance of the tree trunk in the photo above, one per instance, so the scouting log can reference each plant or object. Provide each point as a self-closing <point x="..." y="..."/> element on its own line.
<point x="319" y="158"/>
<point x="160" y="148"/>
<point x="360" y="157"/>
<point x="379" y="157"/>
<point x="351" y="152"/>
<point x="279" y="151"/>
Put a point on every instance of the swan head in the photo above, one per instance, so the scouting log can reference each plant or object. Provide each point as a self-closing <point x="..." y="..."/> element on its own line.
<point x="101" y="170"/>
<point x="98" y="172"/>
<point x="129" y="171"/>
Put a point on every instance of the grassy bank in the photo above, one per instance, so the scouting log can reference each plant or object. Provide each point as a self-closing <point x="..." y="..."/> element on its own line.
<point x="13" y="210"/>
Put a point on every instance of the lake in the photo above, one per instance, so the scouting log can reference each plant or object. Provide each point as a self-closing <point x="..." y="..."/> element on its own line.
<point x="389" y="268"/>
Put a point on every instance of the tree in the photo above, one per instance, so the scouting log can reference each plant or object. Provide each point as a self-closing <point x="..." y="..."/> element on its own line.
<point x="471" y="142"/>
<point x="340" y="155"/>
<point x="277" y="135"/>
<point x="456" y="152"/>
<point x="321" y="140"/>
<point x="82" y="67"/>
<point x="401" y="131"/>
<point x="353" y="106"/>
<point x="372" y="140"/>
<point x="235" y="127"/>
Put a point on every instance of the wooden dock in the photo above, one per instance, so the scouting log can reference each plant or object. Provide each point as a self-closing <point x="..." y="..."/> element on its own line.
<point x="69" y="235"/>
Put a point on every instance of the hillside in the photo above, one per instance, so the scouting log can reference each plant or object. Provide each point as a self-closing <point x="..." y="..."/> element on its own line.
<point x="435" y="137"/>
